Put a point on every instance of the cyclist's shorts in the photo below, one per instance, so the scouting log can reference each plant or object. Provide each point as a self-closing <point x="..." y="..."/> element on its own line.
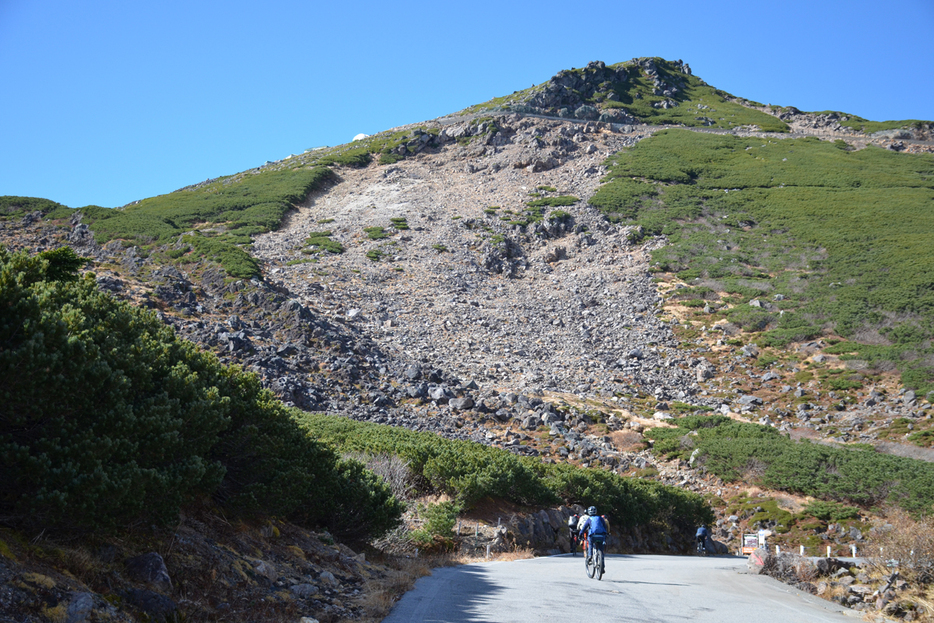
<point x="598" y="539"/>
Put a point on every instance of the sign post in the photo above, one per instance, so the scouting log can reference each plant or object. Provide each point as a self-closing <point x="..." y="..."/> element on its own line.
<point x="750" y="543"/>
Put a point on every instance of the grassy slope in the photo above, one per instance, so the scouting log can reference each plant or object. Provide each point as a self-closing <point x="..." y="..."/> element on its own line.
<point x="220" y="216"/>
<point x="844" y="236"/>
<point x="734" y="450"/>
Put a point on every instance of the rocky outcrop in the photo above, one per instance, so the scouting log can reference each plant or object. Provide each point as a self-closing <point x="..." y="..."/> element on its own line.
<point x="595" y="92"/>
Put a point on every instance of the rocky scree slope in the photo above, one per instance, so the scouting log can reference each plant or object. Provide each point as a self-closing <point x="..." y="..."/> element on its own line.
<point x="477" y="295"/>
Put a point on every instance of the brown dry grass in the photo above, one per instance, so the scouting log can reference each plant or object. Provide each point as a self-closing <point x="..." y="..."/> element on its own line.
<point x="628" y="441"/>
<point x="379" y="594"/>
<point x="910" y="543"/>
<point x="80" y="563"/>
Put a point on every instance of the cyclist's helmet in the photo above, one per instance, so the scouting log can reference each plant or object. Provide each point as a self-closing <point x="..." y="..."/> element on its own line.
<point x="592" y="511"/>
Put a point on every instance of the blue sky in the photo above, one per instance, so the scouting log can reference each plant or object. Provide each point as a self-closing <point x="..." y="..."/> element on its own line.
<point x="106" y="102"/>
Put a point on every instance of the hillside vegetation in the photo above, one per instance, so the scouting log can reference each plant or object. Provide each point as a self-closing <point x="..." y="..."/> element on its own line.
<point x="470" y="472"/>
<point x="108" y="418"/>
<point x="834" y="237"/>
<point x="217" y="219"/>
<point x="744" y="451"/>
<point x="142" y="423"/>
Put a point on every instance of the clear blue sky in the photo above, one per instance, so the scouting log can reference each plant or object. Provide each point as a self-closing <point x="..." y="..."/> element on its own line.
<point x="105" y="102"/>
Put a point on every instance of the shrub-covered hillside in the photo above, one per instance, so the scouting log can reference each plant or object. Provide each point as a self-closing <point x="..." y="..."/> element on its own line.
<point x="217" y="219"/>
<point x="829" y="235"/>
<point x="470" y="472"/>
<point x="752" y="453"/>
<point x="108" y="418"/>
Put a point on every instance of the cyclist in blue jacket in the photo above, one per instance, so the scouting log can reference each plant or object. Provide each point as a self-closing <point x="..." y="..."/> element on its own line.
<point x="701" y="537"/>
<point x="596" y="529"/>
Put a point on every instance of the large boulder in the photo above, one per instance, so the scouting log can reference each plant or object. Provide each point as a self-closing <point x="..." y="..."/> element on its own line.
<point x="150" y="569"/>
<point x="757" y="561"/>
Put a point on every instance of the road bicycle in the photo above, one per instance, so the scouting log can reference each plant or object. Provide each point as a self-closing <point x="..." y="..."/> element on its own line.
<point x="595" y="565"/>
<point x="701" y="547"/>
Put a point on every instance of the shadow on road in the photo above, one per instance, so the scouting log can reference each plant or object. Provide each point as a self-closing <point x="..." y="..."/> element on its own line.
<point x="466" y="589"/>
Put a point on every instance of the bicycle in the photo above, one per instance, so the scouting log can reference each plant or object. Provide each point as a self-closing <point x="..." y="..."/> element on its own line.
<point x="701" y="547"/>
<point x="595" y="562"/>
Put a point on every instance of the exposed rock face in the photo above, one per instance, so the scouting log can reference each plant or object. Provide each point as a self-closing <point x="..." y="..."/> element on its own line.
<point x="593" y="93"/>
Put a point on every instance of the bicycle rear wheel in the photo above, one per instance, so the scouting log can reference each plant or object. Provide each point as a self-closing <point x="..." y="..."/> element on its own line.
<point x="598" y="564"/>
<point x="591" y="567"/>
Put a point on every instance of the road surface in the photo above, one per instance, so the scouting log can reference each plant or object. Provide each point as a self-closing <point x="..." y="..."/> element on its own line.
<point x="640" y="589"/>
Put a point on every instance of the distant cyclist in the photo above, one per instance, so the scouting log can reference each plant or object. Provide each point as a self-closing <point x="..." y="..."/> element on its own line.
<point x="572" y="532"/>
<point x="596" y="530"/>
<point x="701" y="537"/>
<point x="580" y="525"/>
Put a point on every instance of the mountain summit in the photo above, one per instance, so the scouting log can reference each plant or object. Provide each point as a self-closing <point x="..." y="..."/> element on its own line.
<point x="643" y="90"/>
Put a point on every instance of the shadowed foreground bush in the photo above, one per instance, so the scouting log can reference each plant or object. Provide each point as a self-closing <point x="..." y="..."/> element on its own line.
<point x="106" y="418"/>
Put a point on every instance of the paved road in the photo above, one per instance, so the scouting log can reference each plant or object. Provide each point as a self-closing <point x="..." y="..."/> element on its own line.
<point x="640" y="589"/>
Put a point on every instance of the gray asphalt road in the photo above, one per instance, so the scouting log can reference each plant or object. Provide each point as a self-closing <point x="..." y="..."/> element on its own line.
<point x="635" y="588"/>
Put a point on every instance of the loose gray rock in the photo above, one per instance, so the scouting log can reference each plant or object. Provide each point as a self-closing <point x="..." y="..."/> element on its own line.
<point x="159" y="607"/>
<point x="79" y="607"/>
<point x="461" y="404"/>
<point x="304" y="591"/>
<point x="149" y="568"/>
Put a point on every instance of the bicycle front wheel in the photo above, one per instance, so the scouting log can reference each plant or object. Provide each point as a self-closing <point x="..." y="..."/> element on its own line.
<point x="591" y="567"/>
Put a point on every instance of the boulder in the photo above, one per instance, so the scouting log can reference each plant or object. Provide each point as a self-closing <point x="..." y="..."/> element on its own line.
<point x="304" y="590"/>
<point x="79" y="607"/>
<point x="157" y="607"/>
<point x="150" y="569"/>
<point x="461" y="404"/>
<point x="757" y="561"/>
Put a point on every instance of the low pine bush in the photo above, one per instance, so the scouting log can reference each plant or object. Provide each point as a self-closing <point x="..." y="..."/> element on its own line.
<point x="842" y="235"/>
<point x="742" y="451"/>
<point x="107" y="418"/>
<point x="470" y="472"/>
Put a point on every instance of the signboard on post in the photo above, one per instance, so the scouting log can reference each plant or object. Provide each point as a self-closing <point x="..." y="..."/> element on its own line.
<point x="750" y="543"/>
